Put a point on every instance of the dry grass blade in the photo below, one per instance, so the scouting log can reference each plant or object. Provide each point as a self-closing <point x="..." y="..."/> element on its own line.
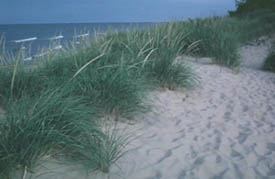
<point x="192" y="46"/>
<point x="14" y="72"/>
<point x="3" y="54"/>
<point x="147" y="57"/>
<point x="25" y="172"/>
<point x="142" y="49"/>
<point x="130" y="50"/>
<point x="106" y="46"/>
<point x="88" y="63"/>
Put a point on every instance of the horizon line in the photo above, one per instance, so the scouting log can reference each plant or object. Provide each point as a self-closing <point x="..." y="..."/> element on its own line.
<point x="116" y="22"/>
<point x="103" y="22"/>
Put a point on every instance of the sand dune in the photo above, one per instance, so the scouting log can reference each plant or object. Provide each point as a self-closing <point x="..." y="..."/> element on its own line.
<point x="224" y="128"/>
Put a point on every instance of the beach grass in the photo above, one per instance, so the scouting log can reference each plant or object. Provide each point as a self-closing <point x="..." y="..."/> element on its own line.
<point x="255" y="24"/>
<point x="54" y="123"/>
<point x="113" y="91"/>
<point x="269" y="64"/>
<point x="114" y="72"/>
<point x="216" y="40"/>
<point x="100" y="152"/>
<point x="221" y="37"/>
<point x="57" y="105"/>
<point x="16" y="82"/>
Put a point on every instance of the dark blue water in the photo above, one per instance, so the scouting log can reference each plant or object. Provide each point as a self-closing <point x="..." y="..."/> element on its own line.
<point x="34" y="37"/>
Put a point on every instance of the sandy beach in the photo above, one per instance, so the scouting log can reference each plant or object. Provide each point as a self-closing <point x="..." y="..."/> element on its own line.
<point x="224" y="128"/>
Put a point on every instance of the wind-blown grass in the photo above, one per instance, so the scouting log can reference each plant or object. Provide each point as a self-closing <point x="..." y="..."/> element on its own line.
<point x="18" y="82"/>
<point x="114" y="72"/>
<point x="254" y="25"/>
<point x="114" y="91"/>
<point x="153" y="54"/>
<point x="53" y="123"/>
<point x="111" y="88"/>
<point x="216" y="40"/>
<point x="100" y="152"/>
<point x="52" y="107"/>
<point x="55" y="106"/>
<point x="221" y="37"/>
<point x="31" y="128"/>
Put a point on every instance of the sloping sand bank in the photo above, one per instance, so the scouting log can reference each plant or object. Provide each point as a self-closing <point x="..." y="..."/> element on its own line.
<point x="225" y="128"/>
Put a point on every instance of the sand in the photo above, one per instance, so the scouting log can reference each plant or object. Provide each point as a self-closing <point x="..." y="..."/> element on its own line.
<point x="224" y="128"/>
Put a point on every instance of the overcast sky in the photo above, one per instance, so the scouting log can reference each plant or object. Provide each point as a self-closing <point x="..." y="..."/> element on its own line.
<point x="57" y="11"/>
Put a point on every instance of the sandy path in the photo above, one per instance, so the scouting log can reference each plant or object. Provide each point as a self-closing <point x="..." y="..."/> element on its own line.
<point x="225" y="128"/>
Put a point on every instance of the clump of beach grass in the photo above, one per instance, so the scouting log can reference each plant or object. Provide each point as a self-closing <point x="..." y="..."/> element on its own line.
<point x="152" y="53"/>
<point x="114" y="72"/>
<point x="50" y="125"/>
<point x="216" y="40"/>
<point x="220" y="37"/>
<point x="101" y="152"/>
<point x="167" y="43"/>
<point x="112" y="90"/>
<point x="254" y="25"/>
<point x="16" y="82"/>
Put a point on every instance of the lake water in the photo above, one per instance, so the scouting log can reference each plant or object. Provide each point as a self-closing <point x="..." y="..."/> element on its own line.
<point x="34" y="37"/>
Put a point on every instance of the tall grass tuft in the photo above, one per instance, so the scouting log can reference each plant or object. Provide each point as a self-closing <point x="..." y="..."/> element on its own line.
<point x="113" y="90"/>
<point x="48" y="125"/>
<point x="152" y="53"/>
<point x="100" y="152"/>
<point x="221" y="37"/>
<point x="114" y="72"/>
<point x="166" y="43"/>
<point x="255" y="24"/>
<point x="216" y="39"/>
<point x="17" y="81"/>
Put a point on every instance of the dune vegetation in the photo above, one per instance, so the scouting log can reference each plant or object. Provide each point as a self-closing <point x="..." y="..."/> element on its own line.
<point x="56" y="105"/>
<point x="269" y="64"/>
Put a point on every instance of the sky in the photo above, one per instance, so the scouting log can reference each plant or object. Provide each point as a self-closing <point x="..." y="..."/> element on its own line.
<point x="75" y="11"/>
